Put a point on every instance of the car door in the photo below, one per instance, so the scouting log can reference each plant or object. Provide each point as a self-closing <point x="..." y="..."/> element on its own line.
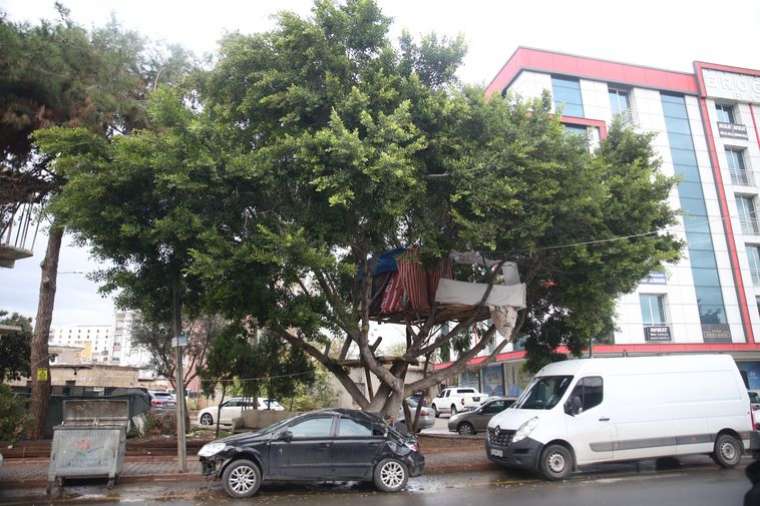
<point x="481" y="417"/>
<point x="230" y="409"/>
<point x="355" y="448"/>
<point x="306" y="454"/>
<point x="589" y="428"/>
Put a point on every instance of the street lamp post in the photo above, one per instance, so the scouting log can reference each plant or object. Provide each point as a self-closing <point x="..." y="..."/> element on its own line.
<point x="179" y="343"/>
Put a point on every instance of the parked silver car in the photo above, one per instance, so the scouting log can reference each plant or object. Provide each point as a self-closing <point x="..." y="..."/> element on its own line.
<point x="426" y="421"/>
<point x="473" y="421"/>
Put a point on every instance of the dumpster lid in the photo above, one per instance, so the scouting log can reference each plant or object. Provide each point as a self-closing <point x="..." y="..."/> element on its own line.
<point x="95" y="412"/>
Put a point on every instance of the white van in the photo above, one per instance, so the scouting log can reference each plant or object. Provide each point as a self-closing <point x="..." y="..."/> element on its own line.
<point x="580" y="412"/>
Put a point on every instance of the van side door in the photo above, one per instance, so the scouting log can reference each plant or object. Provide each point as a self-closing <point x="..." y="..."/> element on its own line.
<point x="589" y="428"/>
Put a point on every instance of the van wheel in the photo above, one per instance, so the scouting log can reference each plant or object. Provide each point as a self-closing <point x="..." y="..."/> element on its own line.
<point x="242" y="478"/>
<point x="556" y="462"/>
<point x="435" y="411"/>
<point x="728" y="451"/>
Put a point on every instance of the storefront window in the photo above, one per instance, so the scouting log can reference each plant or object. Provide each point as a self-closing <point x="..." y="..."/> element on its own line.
<point x="470" y="379"/>
<point x="493" y="380"/>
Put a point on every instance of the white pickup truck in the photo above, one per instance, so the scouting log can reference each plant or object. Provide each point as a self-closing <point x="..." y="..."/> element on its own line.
<point x="454" y="400"/>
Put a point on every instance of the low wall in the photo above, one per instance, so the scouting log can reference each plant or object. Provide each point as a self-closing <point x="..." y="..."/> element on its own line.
<point x="257" y="419"/>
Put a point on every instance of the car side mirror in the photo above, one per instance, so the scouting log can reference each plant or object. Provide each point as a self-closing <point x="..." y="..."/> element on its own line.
<point x="285" y="435"/>
<point x="573" y="406"/>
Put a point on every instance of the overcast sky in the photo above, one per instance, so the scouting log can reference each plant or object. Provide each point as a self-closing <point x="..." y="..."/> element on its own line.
<point x="667" y="34"/>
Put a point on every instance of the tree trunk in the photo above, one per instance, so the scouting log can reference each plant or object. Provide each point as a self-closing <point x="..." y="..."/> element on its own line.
<point x="219" y="409"/>
<point x="39" y="360"/>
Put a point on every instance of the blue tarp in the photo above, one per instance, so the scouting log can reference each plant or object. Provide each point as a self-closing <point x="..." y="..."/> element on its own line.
<point x="387" y="261"/>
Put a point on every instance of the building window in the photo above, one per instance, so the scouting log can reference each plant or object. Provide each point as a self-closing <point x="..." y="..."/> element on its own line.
<point x="620" y="102"/>
<point x="725" y="113"/>
<point x="579" y="130"/>
<point x="753" y="255"/>
<point x="652" y="309"/>
<point x="567" y="96"/>
<point x="747" y="214"/>
<point x="737" y="167"/>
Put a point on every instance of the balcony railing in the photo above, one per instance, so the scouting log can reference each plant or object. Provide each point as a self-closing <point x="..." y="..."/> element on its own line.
<point x="741" y="178"/>
<point x="750" y="226"/>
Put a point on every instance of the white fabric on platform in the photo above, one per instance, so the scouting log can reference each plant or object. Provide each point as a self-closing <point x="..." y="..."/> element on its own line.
<point x="462" y="292"/>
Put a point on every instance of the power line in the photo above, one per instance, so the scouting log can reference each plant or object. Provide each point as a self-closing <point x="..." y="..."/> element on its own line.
<point x="263" y="378"/>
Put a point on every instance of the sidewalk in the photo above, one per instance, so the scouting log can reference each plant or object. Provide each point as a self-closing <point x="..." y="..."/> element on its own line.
<point x="21" y="473"/>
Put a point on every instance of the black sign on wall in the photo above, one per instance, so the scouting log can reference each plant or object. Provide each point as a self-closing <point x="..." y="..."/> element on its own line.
<point x="657" y="333"/>
<point x="716" y="333"/>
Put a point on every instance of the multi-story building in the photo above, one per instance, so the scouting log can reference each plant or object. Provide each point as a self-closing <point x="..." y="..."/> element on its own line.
<point x="124" y="348"/>
<point x="96" y="341"/>
<point x="706" y="128"/>
<point x="106" y="344"/>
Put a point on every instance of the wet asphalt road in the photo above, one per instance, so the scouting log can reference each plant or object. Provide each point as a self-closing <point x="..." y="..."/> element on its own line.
<point x="696" y="484"/>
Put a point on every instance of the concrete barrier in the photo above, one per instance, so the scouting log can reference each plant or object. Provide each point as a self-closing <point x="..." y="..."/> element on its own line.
<point x="257" y="419"/>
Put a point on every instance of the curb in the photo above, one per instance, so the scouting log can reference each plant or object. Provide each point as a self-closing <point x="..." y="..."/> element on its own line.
<point x="197" y="477"/>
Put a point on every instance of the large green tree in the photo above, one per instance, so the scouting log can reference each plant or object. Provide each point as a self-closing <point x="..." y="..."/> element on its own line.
<point x="59" y="73"/>
<point x="361" y="146"/>
<point x="322" y="144"/>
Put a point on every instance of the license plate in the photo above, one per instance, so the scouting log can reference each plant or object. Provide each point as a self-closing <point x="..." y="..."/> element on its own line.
<point x="497" y="453"/>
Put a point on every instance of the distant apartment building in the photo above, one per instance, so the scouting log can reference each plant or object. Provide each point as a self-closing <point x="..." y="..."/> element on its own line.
<point x="96" y="341"/>
<point x="706" y="127"/>
<point x="105" y="344"/>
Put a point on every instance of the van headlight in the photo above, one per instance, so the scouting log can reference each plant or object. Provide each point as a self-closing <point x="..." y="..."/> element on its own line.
<point x="525" y="429"/>
<point x="211" y="449"/>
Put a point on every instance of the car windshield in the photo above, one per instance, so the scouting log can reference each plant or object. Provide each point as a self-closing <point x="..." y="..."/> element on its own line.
<point x="162" y="394"/>
<point x="543" y="392"/>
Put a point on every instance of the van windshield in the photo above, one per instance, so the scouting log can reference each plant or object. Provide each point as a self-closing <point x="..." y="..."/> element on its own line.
<point x="543" y="392"/>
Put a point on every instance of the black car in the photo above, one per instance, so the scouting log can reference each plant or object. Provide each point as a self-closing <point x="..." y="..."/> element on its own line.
<point x="327" y="445"/>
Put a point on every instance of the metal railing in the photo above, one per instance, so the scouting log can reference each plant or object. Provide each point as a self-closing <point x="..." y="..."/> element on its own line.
<point x="750" y="226"/>
<point x="741" y="177"/>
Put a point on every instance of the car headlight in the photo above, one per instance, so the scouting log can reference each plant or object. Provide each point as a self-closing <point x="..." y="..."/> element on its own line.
<point x="211" y="449"/>
<point x="525" y="429"/>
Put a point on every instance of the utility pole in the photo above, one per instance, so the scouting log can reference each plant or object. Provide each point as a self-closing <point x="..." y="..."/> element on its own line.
<point x="180" y="341"/>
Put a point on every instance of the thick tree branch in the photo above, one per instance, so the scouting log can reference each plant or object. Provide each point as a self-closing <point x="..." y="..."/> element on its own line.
<point x="330" y="364"/>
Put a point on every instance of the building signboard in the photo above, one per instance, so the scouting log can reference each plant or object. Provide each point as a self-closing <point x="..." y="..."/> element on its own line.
<point x="731" y="86"/>
<point x="716" y="333"/>
<point x="733" y="130"/>
<point x="657" y="333"/>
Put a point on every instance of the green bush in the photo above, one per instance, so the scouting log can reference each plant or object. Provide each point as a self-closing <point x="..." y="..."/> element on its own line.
<point x="13" y="415"/>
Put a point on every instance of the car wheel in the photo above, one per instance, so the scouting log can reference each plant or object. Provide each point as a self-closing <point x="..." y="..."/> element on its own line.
<point x="207" y="419"/>
<point x="728" y="451"/>
<point x="453" y="410"/>
<point x="435" y="411"/>
<point x="242" y="478"/>
<point x="391" y="475"/>
<point x="465" y="429"/>
<point x="556" y="462"/>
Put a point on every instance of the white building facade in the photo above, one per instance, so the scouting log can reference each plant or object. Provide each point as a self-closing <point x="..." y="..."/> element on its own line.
<point x="105" y="344"/>
<point x="705" y="127"/>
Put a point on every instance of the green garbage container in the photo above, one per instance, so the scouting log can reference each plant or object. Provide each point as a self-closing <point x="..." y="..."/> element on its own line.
<point x="90" y="442"/>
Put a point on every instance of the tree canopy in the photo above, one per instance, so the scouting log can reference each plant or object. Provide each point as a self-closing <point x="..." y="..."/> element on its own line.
<point x="309" y="150"/>
<point x="14" y="346"/>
